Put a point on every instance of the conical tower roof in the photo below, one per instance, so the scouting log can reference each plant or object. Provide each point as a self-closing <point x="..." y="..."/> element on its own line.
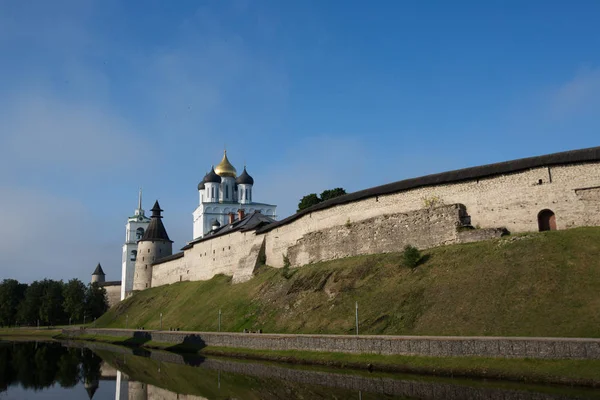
<point x="156" y="230"/>
<point x="98" y="270"/>
<point x="91" y="391"/>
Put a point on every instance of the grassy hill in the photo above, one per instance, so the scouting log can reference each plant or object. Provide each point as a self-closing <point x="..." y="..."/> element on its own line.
<point x="538" y="284"/>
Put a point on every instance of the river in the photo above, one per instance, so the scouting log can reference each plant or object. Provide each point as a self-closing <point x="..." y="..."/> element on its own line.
<point x="52" y="370"/>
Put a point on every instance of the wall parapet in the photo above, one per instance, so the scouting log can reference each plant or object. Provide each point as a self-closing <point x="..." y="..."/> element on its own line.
<point x="433" y="346"/>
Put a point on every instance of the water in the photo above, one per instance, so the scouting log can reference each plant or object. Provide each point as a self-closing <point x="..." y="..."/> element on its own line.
<point x="51" y="370"/>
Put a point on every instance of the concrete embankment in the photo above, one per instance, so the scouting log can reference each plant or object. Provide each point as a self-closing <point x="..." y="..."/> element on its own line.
<point x="433" y="346"/>
<point x="383" y="385"/>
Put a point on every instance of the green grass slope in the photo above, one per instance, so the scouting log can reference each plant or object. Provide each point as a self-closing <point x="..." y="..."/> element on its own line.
<point x="538" y="284"/>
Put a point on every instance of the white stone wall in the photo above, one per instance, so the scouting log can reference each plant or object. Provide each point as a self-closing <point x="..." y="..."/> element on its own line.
<point x="235" y="254"/>
<point x="513" y="201"/>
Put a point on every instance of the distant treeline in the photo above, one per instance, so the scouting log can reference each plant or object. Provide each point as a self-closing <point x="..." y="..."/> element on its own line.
<point x="50" y="302"/>
<point x="38" y="366"/>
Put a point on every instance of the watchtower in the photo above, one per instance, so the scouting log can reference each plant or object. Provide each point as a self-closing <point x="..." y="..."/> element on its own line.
<point x="154" y="245"/>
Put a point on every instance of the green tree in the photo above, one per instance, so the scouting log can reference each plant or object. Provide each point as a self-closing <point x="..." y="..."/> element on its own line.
<point x="331" y="193"/>
<point x="51" y="307"/>
<point x="95" y="301"/>
<point x="29" y="309"/>
<point x="74" y="299"/>
<point x="308" y="200"/>
<point x="12" y="294"/>
<point x="312" y="199"/>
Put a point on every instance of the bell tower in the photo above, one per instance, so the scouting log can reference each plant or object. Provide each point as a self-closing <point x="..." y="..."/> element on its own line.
<point x="134" y="231"/>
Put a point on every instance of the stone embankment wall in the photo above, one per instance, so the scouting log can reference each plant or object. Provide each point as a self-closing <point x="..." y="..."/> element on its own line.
<point x="422" y="389"/>
<point x="435" y="346"/>
<point x="424" y="217"/>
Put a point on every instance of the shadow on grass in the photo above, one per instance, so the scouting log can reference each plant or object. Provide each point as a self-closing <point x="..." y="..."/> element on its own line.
<point x="138" y="339"/>
<point x="423" y="259"/>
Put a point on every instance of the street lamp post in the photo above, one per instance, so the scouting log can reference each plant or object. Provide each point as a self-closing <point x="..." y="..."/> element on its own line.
<point x="357" y="318"/>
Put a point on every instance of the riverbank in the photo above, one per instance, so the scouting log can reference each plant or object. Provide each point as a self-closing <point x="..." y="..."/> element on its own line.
<point x="571" y="372"/>
<point x="28" y="334"/>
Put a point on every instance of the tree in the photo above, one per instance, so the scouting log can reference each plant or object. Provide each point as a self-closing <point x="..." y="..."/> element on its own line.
<point x="74" y="303"/>
<point x="308" y="200"/>
<point x="331" y="193"/>
<point x="29" y="309"/>
<point x="51" y="308"/>
<point x="95" y="301"/>
<point x="11" y="294"/>
<point x="312" y="199"/>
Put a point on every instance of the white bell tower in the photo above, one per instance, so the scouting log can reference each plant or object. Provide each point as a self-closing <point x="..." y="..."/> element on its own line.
<point x="134" y="231"/>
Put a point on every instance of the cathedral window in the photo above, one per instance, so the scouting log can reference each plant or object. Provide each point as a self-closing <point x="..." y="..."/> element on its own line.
<point x="226" y="191"/>
<point x="212" y="190"/>
<point x="139" y="233"/>
<point x="246" y="196"/>
<point x="133" y="255"/>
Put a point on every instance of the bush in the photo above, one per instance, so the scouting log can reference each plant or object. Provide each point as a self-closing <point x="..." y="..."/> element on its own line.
<point x="285" y="271"/>
<point x="411" y="256"/>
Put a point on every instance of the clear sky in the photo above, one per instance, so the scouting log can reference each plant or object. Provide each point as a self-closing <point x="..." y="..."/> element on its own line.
<point x="98" y="98"/>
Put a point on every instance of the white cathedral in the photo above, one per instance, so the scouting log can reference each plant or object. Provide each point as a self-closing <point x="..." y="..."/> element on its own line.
<point x="222" y="194"/>
<point x="223" y="197"/>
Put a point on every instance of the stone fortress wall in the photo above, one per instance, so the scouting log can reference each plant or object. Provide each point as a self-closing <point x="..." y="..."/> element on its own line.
<point x="425" y="214"/>
<point x="512" y="201"/>
<point x="113" y="294"/>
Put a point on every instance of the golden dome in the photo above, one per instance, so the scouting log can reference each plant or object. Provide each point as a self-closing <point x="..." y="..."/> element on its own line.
<point x="225" y="168"/>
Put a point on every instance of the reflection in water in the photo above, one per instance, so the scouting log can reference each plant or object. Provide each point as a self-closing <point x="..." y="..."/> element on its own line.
<point x="38" y="366"/>
<point x="27" y="370"/>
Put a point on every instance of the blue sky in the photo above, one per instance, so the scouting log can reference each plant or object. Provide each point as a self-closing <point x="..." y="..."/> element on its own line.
<point x="98" y="98"/>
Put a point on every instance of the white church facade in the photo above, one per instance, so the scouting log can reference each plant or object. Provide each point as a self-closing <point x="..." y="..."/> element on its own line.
<point x="222" y="194"/>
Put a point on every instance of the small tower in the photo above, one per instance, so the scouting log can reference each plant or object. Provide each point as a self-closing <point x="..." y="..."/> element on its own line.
<point x="153" y="246"/>
<point x="245" y="182"/>
<point x="98" y="275"/>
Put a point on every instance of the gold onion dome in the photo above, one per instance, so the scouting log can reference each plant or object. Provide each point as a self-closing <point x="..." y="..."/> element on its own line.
<point x="225" y="168"/>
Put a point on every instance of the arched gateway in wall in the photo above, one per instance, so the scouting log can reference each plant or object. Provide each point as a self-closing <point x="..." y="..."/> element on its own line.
<point x="547" y="220"/>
